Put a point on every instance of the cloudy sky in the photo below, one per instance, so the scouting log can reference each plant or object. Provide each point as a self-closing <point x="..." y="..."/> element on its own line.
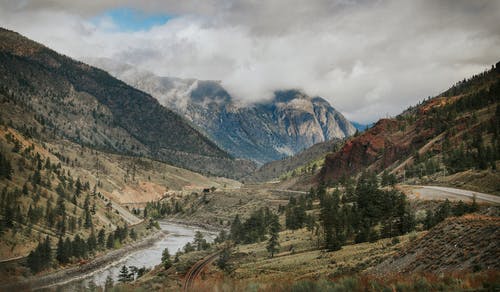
<point x="370" y="59"/>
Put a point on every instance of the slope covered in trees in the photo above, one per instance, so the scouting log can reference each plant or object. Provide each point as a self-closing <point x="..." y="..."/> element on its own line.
<point x="455" y="131"/>
<point x="44" y="206"/>
<point x="49" y="95"/>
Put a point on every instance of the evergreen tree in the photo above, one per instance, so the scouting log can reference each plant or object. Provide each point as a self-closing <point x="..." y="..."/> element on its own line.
<point x="124" y="275"/>
<point x="188" y="247"/>
<point x="60" y="207"/>
<point x="88" y="216"/>
<point x="110" y="243"/>
<point x="5" y="167"/>
<point x="108" y="285"/>
<point x="101" y="238"/>
<point x="78" y="187"/>
<point x="221" y="237"/>
<point x="200" y="242"/>
<point x="236" y="229"/>
<point x="92" y="242"/>
<point x="41" y="257"/>
<point x="331" y="219"/>
<point x="165" y="259"/>
<point x="133" y="234"/>
<point x="223" y="261"/>
<point x="68" y="249"/>
<point x="60" y="253"/>
<point x="36" y="179"/>
<point x="273" y="243"/>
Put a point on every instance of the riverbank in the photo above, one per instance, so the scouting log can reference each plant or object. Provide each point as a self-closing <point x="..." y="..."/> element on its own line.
<point x="184" y="222"/>
<point x="77" y="272"/>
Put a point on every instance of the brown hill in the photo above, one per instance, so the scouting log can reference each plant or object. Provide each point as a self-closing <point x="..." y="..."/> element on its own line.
<point x="467" y="243"/>
<point x="422" y="140"/>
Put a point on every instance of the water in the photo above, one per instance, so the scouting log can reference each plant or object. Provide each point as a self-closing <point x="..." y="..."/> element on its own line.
<point x="178" y="235"/>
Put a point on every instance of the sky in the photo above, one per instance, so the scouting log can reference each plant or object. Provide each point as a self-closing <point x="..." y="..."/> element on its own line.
<point x="369" y="59"/>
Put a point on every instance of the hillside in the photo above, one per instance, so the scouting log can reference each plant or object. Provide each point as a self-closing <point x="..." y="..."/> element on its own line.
<point x="264" y="131"/>
<point x="467" y="243"/>
<point x="309" y="160"/>
<point x="61" y="190"/>
<point x="450" y="133"/>
<point x="48" y="95"/>
<point x="43" y="195"/>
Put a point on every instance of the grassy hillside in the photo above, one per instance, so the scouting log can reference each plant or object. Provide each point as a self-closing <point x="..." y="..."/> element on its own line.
<point x="309" y="160"/>
<point x="62" y="190"/>
<point x="467" y="243"/>
<point x="42" y="196"/>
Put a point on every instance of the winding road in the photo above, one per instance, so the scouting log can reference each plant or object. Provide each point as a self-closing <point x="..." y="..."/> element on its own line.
<point x="442" y="193"/>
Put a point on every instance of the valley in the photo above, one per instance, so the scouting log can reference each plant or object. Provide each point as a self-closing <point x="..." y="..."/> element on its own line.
<point x="169" y="184"/>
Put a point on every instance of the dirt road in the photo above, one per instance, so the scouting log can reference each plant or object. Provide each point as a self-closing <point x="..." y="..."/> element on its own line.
<point x="126" y="215"/>
<point x="443" y="193"/>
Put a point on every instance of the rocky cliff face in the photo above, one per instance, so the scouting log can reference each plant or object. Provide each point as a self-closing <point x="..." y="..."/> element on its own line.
<point x="263" y="132"/>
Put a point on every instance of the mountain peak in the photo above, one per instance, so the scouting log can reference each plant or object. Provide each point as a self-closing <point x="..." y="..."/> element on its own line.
<point x="263" y="131"/>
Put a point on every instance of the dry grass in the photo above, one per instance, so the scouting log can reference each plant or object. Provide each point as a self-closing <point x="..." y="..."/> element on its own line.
<point x="467" y="243"/>
<point x="306" y="261"/>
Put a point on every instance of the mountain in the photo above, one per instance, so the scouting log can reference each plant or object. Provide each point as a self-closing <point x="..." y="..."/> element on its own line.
<point x="265" y="131"/>
<point x="50" y="95"/>
<point x="307" y="161"/>
<point x="455" y="132"/>
<point x="361" y="127"/>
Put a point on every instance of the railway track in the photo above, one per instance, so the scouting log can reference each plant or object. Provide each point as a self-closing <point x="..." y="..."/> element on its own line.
<point x="196" y="270"/>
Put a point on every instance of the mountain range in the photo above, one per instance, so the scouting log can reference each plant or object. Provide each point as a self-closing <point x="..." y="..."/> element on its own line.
<point x="263" y="131"/>
<point x="49" y="95"/>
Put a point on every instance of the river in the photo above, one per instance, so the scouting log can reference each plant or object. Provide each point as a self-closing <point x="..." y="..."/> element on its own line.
<point x="177" y="236"/>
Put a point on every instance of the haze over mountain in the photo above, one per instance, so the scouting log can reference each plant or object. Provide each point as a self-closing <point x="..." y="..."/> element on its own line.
<point x="265" y="131"/>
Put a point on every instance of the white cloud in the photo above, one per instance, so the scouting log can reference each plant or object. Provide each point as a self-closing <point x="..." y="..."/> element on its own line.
<point x="368" y="58"/>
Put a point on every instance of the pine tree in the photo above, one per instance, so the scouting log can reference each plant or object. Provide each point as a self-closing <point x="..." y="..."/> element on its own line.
<point x="165" y="259"/>
<point x="199" y="241"/>
<point x="221" y="237"/>
<point x="68" y="249"/>
<point x="133" y="234"/>
<point x="78" y="187"/>
<point x="124" y="275"/>
<point x="36" y="179"/>
<point x="5" y="167"/>
<point x="236" y="229"/>
<point x="331" y="219"/>
<point x="91" y="242"/>
<point x="223" y="261"/>
<point x="61" y="255"/>
<point x="88" y="216"/>
<point x="34" y="261"/>
<point x="60" y="208"/>
<point x="41" y="257"/>
<point x="110" y="243"/>
<point x="108" y="285"/>
<point x="188" y="247"/>
<point x="274" y="228"/>
<point x="101" y="238"/>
